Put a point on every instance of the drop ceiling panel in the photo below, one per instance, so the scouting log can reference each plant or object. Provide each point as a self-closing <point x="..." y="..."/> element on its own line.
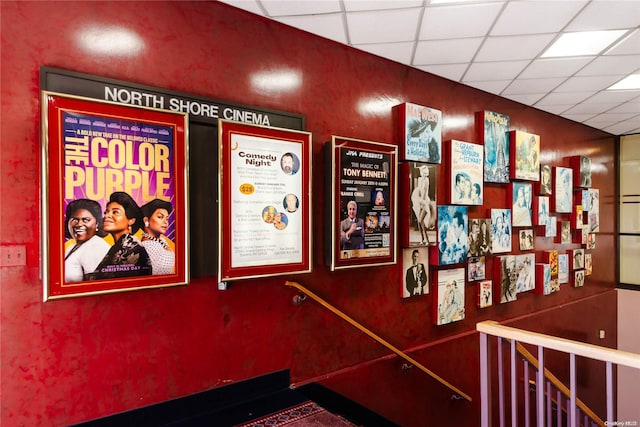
<point x="529" y="86"/>
<point x="383" y="27"/>
<point x="607" y="15"/>
<point x="485" y="71"/>
<point x="555" y="67"/>
<point x="329" y="26"/>
<point x="513" y="47"/>
<point x="611" y="65"/>
<point x="446" y="51"/>
<point x="535" y="17"/>
<point x="458" y="21"/>
<point x="358" y="5"/>
<point x="399" y="52"/>
<point x="493" y="45"/>
<point x="277" y="8"/>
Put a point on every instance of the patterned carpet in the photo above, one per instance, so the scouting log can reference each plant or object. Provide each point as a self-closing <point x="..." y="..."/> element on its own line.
<point x="307" y="414"/>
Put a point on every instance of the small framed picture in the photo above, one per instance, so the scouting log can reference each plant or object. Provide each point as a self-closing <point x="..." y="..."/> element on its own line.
<point x="485" y="297"/>
<point x="476" y="268"/>
<point x="526" y="239"/>
<point x="415" y="272"/>
<point x="525" y="155"/>
<point x="448" y="299"/>
<point x="465" y="172"/>
<point x="521" y="200"/>
<point x="563" y="195"/>
<point x="501" y="230"/>
<point x="420" y="133"/>
<point x="545" y="186"/>
<point x="417" y="204"/>
<point x="578" y="280"/>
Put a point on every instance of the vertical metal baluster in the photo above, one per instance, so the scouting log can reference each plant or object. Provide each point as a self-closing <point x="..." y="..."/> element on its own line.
<point x="527" y="395"/>
<point x="572" y="380"/>
<point x="559" y="409"/>
<point x="500" y="383"/>
<point x="540" y="388"/>
<point x="609" y="392"/>
<point x="514" y="403"/>
<point x="485" y="404"/>
<point x="569" y="416"/>
<point x="549" y="403"/>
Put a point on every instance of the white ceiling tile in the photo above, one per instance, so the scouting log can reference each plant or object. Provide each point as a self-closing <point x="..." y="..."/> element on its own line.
<point x="606" y="15"/>
<point x="587" y="108"/>
<point x="611" y="64"/>
<point x="613" y="118"/>
<point x="399" y="52"/>
<point x="527" y="99"/>
<point x="446" y="51"/>
<point x="625" y="128"/>
<point x="628" y="46"/>
<point x="628" y="107"/>
<point x="382" y="27"/>
<point x="359" y="5"/>
<point x="491" y="86"/>
<point x="554" y="109"/>
<point x="617" y="96"/>
<point x="565" y="98"/>
<point x="449" y="71"/>
<point x="529" y="86"/>
<point x="453" y="44"/>
<point x="484" y="71"/>
<point x="554" y="67"/>
<point x="308" y="7"/>
<point x="513" y="48"/>
<point x="329" y="26"/>
<point x="535" y="17"/>
<point x="458" y="21"/>
<point x="591" y="83"/>
<point x="249" y="5"/>
<point x="577" y="117"/>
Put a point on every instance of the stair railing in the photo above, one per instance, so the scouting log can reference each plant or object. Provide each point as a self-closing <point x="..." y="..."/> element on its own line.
<point x="542" y="342"/>
<point x="377" y="338"/>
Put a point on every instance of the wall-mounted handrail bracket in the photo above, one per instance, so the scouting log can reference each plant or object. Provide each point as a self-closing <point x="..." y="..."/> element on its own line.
<point x="299" y="299"/>
<point x="406" y="366"/>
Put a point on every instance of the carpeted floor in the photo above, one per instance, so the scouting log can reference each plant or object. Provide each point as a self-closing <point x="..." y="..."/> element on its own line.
<point x="307" y="414"/>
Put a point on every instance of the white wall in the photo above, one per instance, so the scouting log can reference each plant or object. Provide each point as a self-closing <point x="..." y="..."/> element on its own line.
<point x="628" y="340"/>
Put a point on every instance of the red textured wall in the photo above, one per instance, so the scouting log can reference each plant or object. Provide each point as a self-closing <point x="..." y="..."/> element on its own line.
<point x="72" y="360"/>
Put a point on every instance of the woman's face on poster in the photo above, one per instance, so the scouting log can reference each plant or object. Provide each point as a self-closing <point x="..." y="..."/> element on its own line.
<point x="82" y="225"/>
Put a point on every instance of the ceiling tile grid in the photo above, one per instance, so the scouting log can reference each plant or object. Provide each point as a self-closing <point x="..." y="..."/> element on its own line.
<point x="492" y="45"/>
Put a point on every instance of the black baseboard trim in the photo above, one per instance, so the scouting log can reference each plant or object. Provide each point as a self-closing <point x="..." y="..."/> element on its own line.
<point x="221" y="407"/>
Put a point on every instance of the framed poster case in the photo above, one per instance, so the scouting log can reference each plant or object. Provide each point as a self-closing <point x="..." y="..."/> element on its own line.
<point x="361" y="203"/>
<point x="265" y="201"/>
<point x="114" y="208"/>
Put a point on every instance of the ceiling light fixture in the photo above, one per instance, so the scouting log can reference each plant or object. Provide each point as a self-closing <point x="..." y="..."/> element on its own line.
<point x="631" y="82"/>
<point x="582" y="43"/>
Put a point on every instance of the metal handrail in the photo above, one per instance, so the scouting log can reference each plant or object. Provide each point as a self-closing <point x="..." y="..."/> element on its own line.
<point x="377" y="338"/>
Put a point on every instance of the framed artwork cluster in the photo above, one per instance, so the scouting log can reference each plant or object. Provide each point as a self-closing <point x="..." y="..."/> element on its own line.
<point x="497" y="251"/>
